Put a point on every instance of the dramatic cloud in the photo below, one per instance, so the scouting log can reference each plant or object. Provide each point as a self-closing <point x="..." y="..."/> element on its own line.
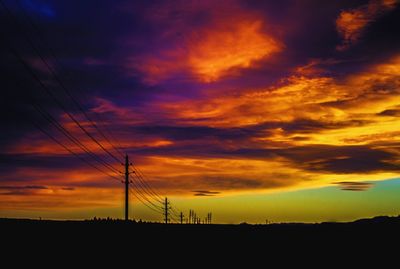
<point x="351" y="23"/>
<point x="234" y="45"/>
<point x="206" y="97"/>
<point x="233" y="39"/>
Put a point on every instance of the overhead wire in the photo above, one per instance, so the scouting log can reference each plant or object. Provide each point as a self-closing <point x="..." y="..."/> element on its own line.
<point x="51" y="119"/>
<point x="144" y="187"/>
<point x="55" y="99"/>
<point x="142" y="178"/>
<point x="155" y="209"/>
<point x="143" y="195"/>
<point x="72" y="152"/>
<point x="66" y="90"/>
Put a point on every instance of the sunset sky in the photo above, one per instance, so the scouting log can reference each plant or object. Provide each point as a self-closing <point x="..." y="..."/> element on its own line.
<point x="253" y="110"/>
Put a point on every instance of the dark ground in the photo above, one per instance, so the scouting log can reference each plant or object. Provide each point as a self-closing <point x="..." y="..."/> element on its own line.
<point x="112" y="238"/>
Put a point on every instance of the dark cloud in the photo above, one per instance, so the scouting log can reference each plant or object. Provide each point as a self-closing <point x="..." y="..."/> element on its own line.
<point x="28" y="187"/>
<point x="354" y="186"/>
<point x="323" y="158"/>
<point x="318" y="158"/>
<point x="379" y="39"/>
<point x="234" y="183"/>
<point x="300" y="126"/>
<point x="221" y="183"/>
<point x="390" y="113"/>
<point x="28" y="161"/>
<point x="178" y="133"/>
<point x="312" y="126"/>
<point x="205" y="193"/>
<point x="68" y="188"/>
<point x="342" y="159"/>
<point x="20" y="190"/>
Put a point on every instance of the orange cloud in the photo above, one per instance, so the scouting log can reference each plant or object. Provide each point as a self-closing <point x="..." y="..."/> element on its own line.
<point x="238" y="45"/>
<point x="315" y="67"/>
<point x="211" y="53"/>
<point x="351" y="23"/>
<point x="305" y="131"/>
<point x="319" y="98"/>
<point x="62" y="198"/>
<point x="309" y="114"/>
<point x="299" y="111"/>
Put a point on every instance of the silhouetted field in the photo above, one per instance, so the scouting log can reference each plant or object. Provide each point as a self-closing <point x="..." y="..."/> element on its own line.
<point x="374" y="227"/>
<point x="46" y="236"/>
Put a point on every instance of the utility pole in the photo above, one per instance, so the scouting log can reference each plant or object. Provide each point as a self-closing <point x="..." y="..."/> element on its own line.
<point x="166" y="213"/>
<point x="181" y="217"/>
<point x="126" y="188"/>
<point x="209" y="218"/>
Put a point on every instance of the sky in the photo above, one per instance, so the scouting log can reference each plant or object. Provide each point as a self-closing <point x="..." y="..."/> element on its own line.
<point x="253" y="110"/>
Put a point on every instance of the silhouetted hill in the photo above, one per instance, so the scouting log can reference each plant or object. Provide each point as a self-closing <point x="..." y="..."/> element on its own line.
<point x="12" y="224"/>
<point x="49" y="236"/>
<point x="30" y="227"/>
<point x="379" y="220"/>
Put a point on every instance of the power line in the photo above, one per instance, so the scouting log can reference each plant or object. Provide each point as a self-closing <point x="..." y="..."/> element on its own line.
<point x="66" y="133"/>
<point x="145" y="188"/>
<point x="50" y="118"/>
<point x="142" y="179"/>
<point x="59" y="103"/>
<point x="72" y="152"/>
<point x="143" y="195"/>
<point x="173" y="211"/>
<point x="58" y="62"/>
<point x="144" y="203"/>
<point x="149" y="190"/>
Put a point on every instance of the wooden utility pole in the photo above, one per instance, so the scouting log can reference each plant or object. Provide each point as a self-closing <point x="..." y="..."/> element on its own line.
<point x="166" y="213"/>
<point x="126" y="188"/>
